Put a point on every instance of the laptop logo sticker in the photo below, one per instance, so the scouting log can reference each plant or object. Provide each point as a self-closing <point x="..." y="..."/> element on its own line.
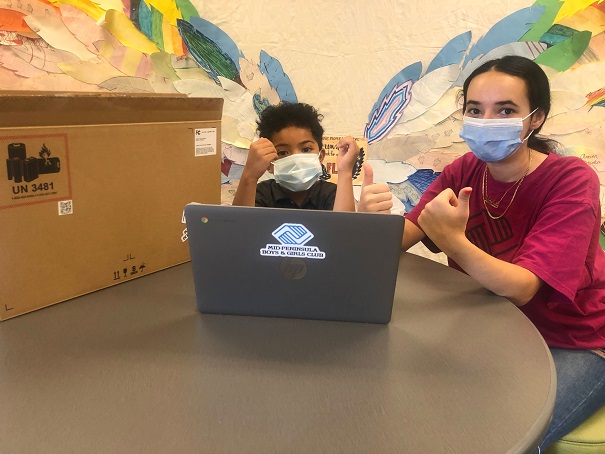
<point x="292" y="234"/>
<point x="292" y="239"/>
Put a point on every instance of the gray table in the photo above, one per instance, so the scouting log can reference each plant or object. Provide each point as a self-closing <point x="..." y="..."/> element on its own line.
<point x="136" y="369"/>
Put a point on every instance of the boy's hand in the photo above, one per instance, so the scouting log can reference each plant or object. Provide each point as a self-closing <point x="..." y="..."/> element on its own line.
<point x="347" y="155"/>
<point x="375" y="198"/>
<point x="260" y="156"/>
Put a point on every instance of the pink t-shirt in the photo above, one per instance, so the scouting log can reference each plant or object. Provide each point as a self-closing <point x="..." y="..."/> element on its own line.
<point x="551" y="229"/>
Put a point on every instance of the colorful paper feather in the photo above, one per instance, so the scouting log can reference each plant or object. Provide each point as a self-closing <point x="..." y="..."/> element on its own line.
<point x="389" y="111"/>
<point x="10" y="60"/>
<point x="563" y="55"/>
<point x="82" y="26"/>
<point x="43" y="57"/>
<point x="207" y="54"/>
<point x="508" y="30"/>
<point x="393" y="98"/>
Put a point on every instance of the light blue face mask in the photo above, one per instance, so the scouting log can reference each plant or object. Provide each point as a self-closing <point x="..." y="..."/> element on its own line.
<point x="493" y="140"/>
<point x="297" y="172"/>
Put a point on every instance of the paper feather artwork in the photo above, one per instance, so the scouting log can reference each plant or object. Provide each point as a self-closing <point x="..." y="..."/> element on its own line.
<point x="564" y="38"/>
<point x="165" y="46"/>
<point x="136" y="46"/>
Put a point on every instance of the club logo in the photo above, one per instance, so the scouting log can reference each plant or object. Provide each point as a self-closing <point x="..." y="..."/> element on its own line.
<point x="292" y="234"/>
<point x="292" y="239"/>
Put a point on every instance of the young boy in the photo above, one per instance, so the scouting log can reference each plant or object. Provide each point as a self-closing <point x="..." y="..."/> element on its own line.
<point x="291" y="148"/>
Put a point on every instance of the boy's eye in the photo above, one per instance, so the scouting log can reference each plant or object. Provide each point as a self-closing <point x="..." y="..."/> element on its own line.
<point x="282" y="153"/>
<point x="306" y="150"/>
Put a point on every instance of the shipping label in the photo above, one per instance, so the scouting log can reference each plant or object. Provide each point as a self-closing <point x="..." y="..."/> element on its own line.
<point x="205" y="141"/>
<point x="34" y="169"/>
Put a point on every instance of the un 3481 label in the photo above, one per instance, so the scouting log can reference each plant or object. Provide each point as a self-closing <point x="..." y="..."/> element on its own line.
<point x="35" y="187"/>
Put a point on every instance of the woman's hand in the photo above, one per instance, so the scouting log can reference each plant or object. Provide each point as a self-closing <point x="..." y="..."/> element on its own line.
<point x="444" y="219"/>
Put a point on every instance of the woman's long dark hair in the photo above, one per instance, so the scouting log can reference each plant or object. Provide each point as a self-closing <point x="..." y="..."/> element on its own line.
<point x="538" y="91"/>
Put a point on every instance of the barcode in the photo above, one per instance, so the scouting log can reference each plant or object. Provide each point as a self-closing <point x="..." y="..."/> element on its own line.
<point x="65" y="207"/>
<point x="199" y="151"/>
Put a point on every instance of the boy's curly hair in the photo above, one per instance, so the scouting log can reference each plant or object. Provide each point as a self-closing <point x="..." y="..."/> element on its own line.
<point x="275" y="118"/>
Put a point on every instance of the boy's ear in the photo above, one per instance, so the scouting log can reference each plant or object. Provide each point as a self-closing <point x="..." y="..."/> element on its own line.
<point x="322" y="155"/>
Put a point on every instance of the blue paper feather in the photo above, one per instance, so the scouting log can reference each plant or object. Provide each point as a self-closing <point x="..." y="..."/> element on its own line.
<point x="272" y="69"/>
<point x="508" y="30"/>
<point x="452" y="53"/>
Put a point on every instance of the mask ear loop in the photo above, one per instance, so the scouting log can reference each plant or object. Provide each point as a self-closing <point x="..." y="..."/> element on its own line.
<point x="532" y="131"/>
<point x="529" y="135"/>
<point x="531" y="113"/>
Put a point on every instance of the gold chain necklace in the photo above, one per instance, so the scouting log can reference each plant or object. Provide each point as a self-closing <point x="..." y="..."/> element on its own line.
<point x="488" y="201"/>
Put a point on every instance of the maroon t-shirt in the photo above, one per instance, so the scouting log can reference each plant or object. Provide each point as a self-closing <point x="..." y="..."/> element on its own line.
<point x="551" y="229"/>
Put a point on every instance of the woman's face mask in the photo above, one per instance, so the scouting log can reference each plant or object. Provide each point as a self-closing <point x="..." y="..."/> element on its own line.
<point x="297" y="172"/>
<point x="493" y="140"/>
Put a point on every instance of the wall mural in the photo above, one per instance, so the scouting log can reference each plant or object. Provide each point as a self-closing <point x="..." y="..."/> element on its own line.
<point x="418" y="112"/>
<point x="164" y="46"/>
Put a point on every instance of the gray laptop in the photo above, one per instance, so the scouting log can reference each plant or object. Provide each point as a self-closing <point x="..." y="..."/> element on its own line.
<point x="294" y="263"/>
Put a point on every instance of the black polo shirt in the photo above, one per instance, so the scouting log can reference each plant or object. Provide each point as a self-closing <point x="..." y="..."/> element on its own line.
<point x="320" y="196"/>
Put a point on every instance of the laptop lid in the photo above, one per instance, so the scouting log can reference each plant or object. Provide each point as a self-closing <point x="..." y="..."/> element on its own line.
<point x="294" y="263"/>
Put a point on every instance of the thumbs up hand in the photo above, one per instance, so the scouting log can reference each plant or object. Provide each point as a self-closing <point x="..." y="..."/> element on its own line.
<point x="375" y="198"/>
<point x="445" y="217"/>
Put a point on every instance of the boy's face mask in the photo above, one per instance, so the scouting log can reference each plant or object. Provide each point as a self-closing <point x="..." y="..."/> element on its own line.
<point x="493" y="140"/>
<point x="297" y="172"/>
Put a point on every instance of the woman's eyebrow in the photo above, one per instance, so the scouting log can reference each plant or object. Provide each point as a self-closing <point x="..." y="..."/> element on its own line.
<point x="507" y="102"/>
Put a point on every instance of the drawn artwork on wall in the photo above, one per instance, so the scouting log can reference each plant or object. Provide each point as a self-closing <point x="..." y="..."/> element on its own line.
<point x="166" y="46"/>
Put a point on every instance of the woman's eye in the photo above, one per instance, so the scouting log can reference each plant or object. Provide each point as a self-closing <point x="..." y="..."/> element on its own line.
<point x="508" y="111"/>
<point x="307" y="150"/>
<point x="473" y="111"/>
<point x="282" y="153"/>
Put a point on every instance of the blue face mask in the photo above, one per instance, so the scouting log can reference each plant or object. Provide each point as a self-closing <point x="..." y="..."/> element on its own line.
<point x="297" y="172"/>
<point x="493" y="140"/>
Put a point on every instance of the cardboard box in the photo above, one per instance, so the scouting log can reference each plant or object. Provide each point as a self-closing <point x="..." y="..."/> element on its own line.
<point x="93" y="186"/>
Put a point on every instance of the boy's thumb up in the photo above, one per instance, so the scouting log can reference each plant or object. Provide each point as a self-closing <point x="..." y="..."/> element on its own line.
<point x="368" y="175"/>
